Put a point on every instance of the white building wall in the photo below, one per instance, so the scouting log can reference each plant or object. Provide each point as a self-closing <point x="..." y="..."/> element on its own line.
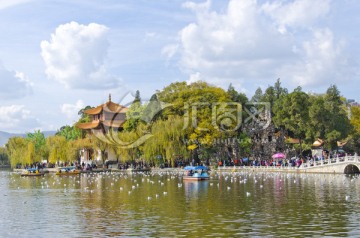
<point x="84" y="156"/>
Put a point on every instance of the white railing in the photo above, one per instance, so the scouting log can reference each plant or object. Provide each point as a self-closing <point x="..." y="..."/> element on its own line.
<point x="257" y="167"/>
<point x="329" y="161"/>
<point x="325" y="162"/>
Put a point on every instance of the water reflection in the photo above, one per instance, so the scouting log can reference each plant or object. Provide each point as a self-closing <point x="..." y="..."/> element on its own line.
<point x="162" y="205"/>
<point x="194" y="189"/>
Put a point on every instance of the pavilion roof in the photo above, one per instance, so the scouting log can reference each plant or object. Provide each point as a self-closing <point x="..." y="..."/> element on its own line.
<point x="108" y="107"/>
<point x="88" y="125"/>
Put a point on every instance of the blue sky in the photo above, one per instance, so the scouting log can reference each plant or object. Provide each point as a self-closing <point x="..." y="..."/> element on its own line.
<point x="59" y="56"/>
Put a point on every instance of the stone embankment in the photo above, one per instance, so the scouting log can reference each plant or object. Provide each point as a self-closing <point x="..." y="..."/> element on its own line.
<point x="343" y="165"/>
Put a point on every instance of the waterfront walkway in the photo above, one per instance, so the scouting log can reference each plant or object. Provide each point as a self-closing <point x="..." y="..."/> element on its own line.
<point x="339" y="165"/>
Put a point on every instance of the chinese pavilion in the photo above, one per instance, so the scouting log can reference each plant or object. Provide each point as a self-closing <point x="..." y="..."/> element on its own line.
<point x="104" y="117"/>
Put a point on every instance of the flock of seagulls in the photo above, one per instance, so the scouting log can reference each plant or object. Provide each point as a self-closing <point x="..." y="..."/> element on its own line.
<point x="161" y="183"/>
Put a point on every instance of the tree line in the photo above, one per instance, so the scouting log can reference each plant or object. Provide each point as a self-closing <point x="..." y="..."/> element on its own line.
<point x="200" y="121"/>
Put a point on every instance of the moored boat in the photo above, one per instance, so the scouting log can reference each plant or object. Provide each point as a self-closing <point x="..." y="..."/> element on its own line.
<point x="32" y="172"/>
<point x="70" y="170"/>
<point x="196" y="173"/>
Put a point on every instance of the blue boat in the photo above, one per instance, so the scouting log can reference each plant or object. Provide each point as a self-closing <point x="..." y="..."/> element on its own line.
<point x="70" y="170"/>
<point x="32" y="172"/>
<point x="196" y="173"/>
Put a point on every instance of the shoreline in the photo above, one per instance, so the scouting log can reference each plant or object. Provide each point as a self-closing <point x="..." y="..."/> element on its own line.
<point x="221" y="169"/>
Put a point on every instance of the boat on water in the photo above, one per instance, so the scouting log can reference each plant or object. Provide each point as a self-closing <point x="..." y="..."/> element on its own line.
<point x="69" y="170"/>
<point x="32" y="172"/>
<point x="196" y="173"/>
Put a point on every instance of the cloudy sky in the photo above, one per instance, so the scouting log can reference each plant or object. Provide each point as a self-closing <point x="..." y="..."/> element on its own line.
<point x="57" y="56"/>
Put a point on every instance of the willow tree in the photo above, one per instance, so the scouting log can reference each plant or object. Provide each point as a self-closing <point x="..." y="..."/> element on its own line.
<point x="127" y="145"/>
<point x="167" y="141"/>
<point x="17" y="149"/>
<point x="58" y="149"/>
<point x="30" y="154"/>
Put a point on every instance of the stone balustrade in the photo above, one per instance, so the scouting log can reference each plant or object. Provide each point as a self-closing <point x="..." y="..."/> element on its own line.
<point x="339" y="165"/>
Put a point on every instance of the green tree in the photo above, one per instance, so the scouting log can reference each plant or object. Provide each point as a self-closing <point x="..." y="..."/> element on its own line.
<point x="83" y="116"/>
<point x="69" y="132"/>
<point x="39" y="143"/>
<point x="329" y="118"/>
<point x="292" y="113"/>
<point x="236" y="96"/>
<point x="273" y="94"/>
<point x="137" y="96"/>
<point x="134" y="115"/>
<point x="4" y="157"/>
<point x="278" y="90"/>
<point x="258" y="96"/>
<point x="245" y="144"/>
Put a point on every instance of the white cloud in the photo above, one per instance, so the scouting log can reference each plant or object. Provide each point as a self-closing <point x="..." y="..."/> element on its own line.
<point x="170" y="50"/>
<point x="16" y="118"/>
<point x="13" y="84"/>
<point x="236" y="44"/>
<point x="298" y="13"/>
<point x="194" y="78"/>
<point x="197" y="6"/>
<point x="75" y="56"/>
<point x="322" y="61"/>
<point x="71" y="110"/>
<point x="252" y="41"/>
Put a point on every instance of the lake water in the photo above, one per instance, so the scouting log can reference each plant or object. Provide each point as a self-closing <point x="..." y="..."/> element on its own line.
<point x="242" y="204"/>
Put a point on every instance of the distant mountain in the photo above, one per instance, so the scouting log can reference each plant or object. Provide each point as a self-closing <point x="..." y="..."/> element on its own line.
<point x="49" y="133"/>
<point x="4" y="136"/>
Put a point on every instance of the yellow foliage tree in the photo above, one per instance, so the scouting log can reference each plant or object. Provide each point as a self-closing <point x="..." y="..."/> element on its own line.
<point x="17" y="148"/>
<point x="58" y="149"/>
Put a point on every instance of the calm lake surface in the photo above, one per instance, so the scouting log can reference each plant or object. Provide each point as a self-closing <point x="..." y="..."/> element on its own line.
<point x="242" y="204"/>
